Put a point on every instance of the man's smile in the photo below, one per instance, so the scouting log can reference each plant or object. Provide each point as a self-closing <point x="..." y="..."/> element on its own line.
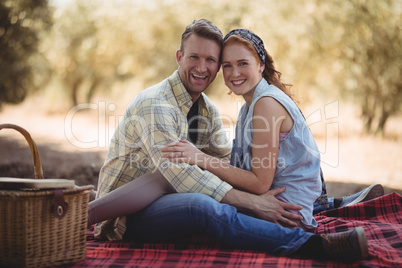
<point x="199" y="77"/>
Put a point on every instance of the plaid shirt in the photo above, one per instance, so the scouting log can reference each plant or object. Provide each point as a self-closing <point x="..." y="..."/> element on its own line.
<point x="156" y="116"/>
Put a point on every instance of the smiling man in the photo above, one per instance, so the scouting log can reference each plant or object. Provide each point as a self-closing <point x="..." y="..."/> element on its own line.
<point x="159" y="115"/>
<point x="198" y="60"/>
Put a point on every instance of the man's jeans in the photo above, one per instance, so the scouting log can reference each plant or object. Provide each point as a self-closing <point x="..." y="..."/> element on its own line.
<point x="176" y="215"/>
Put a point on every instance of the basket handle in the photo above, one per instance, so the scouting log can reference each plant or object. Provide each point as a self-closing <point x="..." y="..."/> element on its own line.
<point x="32" y="145"/>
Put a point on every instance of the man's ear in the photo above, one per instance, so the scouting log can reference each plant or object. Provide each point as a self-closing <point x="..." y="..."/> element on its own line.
<point x="179" y="55"/>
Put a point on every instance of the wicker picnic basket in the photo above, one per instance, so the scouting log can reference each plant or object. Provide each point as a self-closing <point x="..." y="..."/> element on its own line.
<point x="43" y="222"/>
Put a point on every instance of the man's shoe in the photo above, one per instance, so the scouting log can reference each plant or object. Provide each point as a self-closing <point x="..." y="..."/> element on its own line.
<point x="346" y="246"/>
<point x="371" y="192"/>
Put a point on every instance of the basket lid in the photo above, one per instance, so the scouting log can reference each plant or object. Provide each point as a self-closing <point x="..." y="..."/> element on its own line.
<point x="16" y="183"/>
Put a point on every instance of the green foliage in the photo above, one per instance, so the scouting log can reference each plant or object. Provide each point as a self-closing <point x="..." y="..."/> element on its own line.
<point x="346" y="49"/>
<point x="20" y="25"/>
<point x="364" y="42"/>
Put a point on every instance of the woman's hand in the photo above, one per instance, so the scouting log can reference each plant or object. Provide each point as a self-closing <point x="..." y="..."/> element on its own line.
<point x="183" y="151"/>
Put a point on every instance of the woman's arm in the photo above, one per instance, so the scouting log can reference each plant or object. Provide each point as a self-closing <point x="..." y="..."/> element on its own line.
<point x="269" y="118"/>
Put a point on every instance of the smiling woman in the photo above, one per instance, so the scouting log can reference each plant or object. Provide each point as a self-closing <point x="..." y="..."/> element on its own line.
<point x="241" y="70"/>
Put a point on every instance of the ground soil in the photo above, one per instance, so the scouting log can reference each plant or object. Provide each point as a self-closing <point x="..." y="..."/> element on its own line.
<point x="361" y="160"/>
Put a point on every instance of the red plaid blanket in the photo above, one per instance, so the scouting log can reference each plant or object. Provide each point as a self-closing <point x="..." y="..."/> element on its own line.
<point x="381" y="219"/>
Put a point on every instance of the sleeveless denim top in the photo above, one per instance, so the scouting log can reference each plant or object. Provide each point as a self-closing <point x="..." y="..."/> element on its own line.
<point x="298" y="160"/>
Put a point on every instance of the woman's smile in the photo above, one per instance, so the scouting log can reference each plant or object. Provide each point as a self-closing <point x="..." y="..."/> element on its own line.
<point x="238" y="82"/>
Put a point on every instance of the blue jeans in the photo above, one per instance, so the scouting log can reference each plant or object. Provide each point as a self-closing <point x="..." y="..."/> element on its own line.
<point x="176" y="215"/>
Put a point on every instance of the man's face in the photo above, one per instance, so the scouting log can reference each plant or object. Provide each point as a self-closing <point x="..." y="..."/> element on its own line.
<point x="198" y="64"/>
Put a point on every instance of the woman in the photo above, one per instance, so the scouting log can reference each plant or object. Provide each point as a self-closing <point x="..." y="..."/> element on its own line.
<point x="273" y="146"/>
<point x="254" y="169"/>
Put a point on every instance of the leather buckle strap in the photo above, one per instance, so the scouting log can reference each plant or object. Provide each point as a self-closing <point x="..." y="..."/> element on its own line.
<point x="60" y="206"/>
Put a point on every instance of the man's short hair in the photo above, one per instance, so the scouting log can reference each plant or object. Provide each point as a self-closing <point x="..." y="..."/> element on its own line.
<point x="203" y="28"/>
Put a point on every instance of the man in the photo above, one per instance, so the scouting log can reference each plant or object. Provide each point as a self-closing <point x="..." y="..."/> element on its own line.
<point x="162" y="114"/>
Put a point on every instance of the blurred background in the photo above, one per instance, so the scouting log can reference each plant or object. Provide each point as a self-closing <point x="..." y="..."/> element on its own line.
<point x="69" y="68"/>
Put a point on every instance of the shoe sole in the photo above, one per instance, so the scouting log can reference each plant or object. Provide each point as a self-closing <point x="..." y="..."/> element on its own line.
<point x="374" y="191"/>
<point x="361" y="236"/>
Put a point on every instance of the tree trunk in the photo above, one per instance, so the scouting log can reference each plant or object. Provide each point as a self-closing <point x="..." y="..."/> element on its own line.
<point x="368" y="121"/>
<point x="92" y="89"/>
<point x="368" y="109"/>
<point x="381" y="123"/>
<point x="74" y="91"/>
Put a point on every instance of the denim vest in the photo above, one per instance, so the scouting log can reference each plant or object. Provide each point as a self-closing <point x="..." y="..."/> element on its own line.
<point x="298" y="160"/>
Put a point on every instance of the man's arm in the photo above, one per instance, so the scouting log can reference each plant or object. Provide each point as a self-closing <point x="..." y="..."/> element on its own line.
<point x="265" y="206"/>
<point x="155" y="126"/>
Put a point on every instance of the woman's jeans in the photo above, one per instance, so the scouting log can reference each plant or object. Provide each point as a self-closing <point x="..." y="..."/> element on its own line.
<point x="318" y="208"/>
<point x="176" y="215"/>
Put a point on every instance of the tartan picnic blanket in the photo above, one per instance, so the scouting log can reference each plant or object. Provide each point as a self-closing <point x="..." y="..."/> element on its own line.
<point x="381" y="219"/>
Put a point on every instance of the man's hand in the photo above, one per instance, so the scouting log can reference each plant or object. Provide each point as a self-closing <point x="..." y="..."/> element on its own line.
<point x="265" y="206"/>
<point x="268" y="207"/>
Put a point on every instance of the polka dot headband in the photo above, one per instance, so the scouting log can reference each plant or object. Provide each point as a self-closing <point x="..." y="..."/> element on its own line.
<point x="254" y="39"/>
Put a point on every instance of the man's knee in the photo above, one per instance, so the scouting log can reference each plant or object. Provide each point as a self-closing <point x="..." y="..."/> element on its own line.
<point x="197" y="199"/>
<point x="205" y="205"/>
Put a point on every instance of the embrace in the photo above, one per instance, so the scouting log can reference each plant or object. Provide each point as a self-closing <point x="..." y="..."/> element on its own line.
<point x="259" y="193"/>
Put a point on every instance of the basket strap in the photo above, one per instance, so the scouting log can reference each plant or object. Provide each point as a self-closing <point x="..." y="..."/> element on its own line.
<point x="32" y="145"/>
<point x="60" y="207"/>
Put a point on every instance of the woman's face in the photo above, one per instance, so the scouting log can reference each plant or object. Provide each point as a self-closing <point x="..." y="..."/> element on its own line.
<point x="241" y="70"/>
